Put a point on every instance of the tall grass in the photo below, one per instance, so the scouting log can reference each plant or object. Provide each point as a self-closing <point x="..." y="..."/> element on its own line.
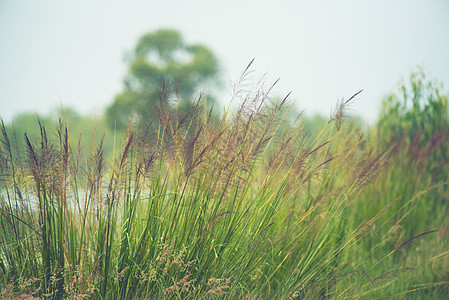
<point x="248" y="206"/>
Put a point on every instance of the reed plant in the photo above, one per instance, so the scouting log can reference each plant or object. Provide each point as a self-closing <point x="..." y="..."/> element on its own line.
<point x="250" y="205"/>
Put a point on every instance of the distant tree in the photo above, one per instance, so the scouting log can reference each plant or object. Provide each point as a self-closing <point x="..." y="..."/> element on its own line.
<point x="161" y="56"/>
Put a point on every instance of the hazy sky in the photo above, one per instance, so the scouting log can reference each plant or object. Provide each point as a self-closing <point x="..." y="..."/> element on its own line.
<point x="54" y="52"/>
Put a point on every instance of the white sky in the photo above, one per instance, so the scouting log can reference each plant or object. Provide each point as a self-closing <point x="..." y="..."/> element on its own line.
<point x="54" y="52"/>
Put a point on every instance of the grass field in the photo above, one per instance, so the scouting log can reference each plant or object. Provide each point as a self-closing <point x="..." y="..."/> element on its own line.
<point x="251" y="205"/>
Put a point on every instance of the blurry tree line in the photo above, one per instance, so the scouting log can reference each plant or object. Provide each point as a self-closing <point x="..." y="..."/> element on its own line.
<point x="166" y="76"/>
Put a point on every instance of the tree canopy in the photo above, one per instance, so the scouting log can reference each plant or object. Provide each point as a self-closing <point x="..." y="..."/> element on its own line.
<point x="161" y="56"/>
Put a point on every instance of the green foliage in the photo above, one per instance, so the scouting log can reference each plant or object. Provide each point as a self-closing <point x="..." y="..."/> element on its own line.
<point x="418" y="120"/>
<point x="161" y="56"/>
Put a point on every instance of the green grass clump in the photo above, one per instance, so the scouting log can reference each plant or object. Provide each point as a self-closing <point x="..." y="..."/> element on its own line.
<point x="248" y="206"/>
